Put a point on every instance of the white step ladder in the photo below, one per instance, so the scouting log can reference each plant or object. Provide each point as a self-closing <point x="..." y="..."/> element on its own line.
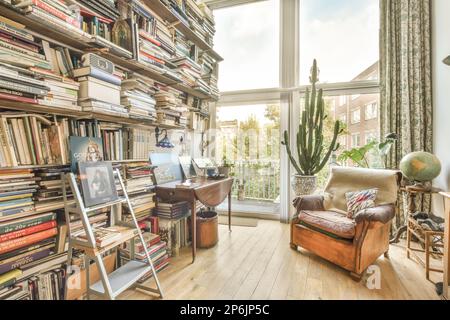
<point x="126" y="276"/>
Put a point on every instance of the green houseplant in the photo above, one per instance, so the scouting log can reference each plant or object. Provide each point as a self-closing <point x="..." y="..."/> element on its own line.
<point x="361" y="155"/>
<point x="312" y="154"/>
<point x="225" y="167"/>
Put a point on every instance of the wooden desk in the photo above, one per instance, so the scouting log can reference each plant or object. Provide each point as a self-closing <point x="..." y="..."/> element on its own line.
<point x="446" y="283"/>
<point x="210" y="193"/>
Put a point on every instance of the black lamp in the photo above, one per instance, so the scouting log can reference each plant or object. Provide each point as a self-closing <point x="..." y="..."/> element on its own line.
<point x="447" y="60"/>
<point x="164" y="142"/>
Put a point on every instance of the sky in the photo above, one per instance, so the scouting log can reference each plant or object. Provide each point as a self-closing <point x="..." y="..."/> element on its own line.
<point x="341" y="34"/>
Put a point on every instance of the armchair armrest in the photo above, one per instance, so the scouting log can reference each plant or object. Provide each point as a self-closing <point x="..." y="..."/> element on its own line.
<point x="382" y="214"/>
<point x="312" y="203"/>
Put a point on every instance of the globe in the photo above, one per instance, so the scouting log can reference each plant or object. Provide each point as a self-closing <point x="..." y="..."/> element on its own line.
<point x="420" y="166"/>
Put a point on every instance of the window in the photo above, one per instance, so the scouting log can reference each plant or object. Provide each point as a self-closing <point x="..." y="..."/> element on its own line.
<point x="343" y="118"/>
<point x="249" y="138"/>
<point x="355" y="96"/>
<point x="371" y="136"/>
<point x="247" y="37"/>
<point x="371" y="111"/>
<point x="356" y="116"/>
<point x="343" y="37"/>
<point x="342" y="100"/>
<point x="356" y="140"/>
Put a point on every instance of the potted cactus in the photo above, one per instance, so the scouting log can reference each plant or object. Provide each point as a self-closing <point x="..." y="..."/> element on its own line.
<point x="312" y="154"/>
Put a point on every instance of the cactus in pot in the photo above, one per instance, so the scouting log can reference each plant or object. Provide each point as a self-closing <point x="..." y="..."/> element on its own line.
<point x="311" y="153"/>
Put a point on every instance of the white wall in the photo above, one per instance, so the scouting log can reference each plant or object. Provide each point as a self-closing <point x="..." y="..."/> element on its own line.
<point x="441" y="93"/>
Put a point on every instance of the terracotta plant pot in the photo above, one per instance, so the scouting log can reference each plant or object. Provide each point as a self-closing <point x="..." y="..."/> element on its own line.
<point x="303" y="185"/>
<point x="224" y="170"/>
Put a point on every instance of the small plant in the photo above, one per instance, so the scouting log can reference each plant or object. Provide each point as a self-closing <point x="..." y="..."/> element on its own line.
<point x="226" y="163"/>
<point x="360" y="155"/>
<point x="310" y="138"/>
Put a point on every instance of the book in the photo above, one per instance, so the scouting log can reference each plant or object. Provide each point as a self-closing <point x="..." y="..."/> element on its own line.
<point x="27" y="231"/>
<point x="86" y="149"/>
<point x="97" y="74"/>
<point x="27" y="240"/>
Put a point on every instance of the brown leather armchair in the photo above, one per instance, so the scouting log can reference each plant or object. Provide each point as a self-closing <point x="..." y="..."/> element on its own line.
<point x="322" y="226"/>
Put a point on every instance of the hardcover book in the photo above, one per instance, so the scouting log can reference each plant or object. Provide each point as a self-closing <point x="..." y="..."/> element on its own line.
<point x="85" y="149"/>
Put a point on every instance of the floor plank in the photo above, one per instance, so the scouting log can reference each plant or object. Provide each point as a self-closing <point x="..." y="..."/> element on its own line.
<point x="258" y="263"/>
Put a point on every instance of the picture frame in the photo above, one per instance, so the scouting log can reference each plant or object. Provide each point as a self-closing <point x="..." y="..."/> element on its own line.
<point x="187" y="167"/>
<point x="97" y="183"/>
<point x="167" y="167"/>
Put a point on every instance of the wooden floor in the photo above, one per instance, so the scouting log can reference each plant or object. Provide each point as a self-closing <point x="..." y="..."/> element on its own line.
<point x="257" y="263"/>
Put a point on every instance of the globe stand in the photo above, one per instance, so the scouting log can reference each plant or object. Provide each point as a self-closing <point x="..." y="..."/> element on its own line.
<point x="421" y="186"/>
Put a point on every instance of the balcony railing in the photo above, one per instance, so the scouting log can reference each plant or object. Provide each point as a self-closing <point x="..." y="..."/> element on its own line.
<point x="256" y="180"/>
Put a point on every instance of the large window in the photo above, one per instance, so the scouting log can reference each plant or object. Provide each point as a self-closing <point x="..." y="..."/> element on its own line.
<point x="342" y="35"/>
<point x="249" y="138"/>
<point x="248" y="39"/>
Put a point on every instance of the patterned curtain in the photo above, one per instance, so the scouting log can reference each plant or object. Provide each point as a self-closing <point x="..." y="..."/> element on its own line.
<point x="405" y="79"/>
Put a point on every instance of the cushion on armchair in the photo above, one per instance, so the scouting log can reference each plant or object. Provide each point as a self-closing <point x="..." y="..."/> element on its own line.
<point x="360" y="200"/>
<point x="331" y="223"/>
<point x="343" y="180"/>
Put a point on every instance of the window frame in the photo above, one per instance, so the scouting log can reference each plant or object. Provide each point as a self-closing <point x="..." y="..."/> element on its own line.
<point x="289" y="91"/>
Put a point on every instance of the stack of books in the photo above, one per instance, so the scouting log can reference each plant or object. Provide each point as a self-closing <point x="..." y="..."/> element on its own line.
<point x="188" y="69"/>
<point x="172" y="210"/>
<point x="142" y="205"/>
<point x="137" y="96"/>
<point x="18" y="84"/>
<point x="97" y="219"/>
<point x="208" y="23"/>
<point x="105" y="236"/>
<point x="63" y="92"/>
<point x="207" y="73"/>
<point x="17" y="187"/>
<point x="139" y="177"/>
<point x="26" y="240"/>
<point x="178" y="8"/>
<point x="99" y="91"/>
<point x="182" y="45"/>
<point x="157" y="250"/>
<point x="169" y="106"/>
<point x="98" y="16"/>
<point x="195" y="16"/>
<point x="49" y="195"/>
<point x="51" y="12"/>
<point x="140" y="188"/>
<point x="18" y="47"/>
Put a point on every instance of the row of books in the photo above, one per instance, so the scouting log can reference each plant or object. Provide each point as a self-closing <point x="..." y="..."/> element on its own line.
<point x="43" y="279"/>
<point x="94" y="91"/>
<point x="157" y="250"/>
<point x="137" y="96"/>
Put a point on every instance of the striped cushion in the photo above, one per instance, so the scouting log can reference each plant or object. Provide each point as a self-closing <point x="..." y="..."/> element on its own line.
<point x="360" y="200"/>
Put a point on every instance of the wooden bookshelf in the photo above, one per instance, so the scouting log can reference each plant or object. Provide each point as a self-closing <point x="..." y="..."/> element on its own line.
<point x="166" y="14"/>
<point x="26" y="107"/>
<point x="84" y="42"/>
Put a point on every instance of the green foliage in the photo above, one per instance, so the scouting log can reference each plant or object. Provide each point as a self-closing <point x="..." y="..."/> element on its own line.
<point x="311" y="151"/>
<point x="360" y="155"/>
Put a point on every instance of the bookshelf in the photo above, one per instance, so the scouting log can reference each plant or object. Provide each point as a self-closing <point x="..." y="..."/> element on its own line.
<point x="87" y="43"/>
<point x="165" y="13"/>
<point x="78" y="42"/>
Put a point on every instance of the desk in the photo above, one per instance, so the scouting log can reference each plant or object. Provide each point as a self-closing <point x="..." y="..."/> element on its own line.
<point x="210" y="193"/>
<point x="445" y="295"/>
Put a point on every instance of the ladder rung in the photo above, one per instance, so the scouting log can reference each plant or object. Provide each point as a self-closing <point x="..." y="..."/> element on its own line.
<point x="123" y="278"/>
<point x="109" y="204"/>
